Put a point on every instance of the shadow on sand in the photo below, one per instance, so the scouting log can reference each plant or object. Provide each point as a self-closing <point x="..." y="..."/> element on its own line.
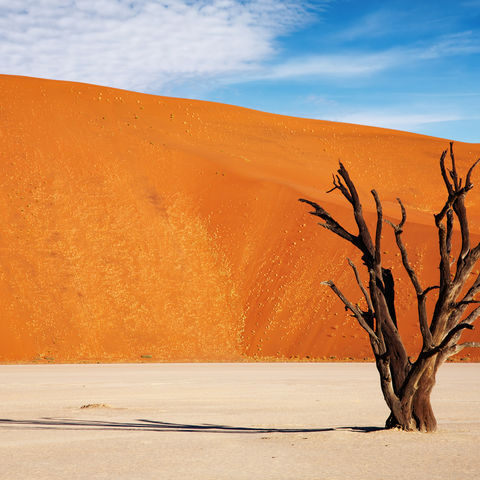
<point x="156" y="426"/>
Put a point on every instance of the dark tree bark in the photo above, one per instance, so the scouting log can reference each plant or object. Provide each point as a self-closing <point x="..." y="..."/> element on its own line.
<point x="407" y="386"/>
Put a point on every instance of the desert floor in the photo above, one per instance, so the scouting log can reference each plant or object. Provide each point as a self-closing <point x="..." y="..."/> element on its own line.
<point x="227" y="421"/>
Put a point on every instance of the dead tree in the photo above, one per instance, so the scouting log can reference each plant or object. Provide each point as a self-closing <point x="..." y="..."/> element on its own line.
<point x="406" y="386"/>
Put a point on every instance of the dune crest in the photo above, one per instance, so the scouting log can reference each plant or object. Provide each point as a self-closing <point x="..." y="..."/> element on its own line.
<point x="145" y="228"/>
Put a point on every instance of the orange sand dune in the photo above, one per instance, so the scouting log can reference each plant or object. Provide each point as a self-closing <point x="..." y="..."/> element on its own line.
<point x="143" y="227"/>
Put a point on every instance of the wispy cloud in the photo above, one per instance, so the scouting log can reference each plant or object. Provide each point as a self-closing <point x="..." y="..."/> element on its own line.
<point x="420" y="115"/>
<point x="372" y="25"/>
<point x="361" y="64"/>
<point x="470" y="3"/>
<point x="141" y="44"/>
<point x="346" y="65"/>
<point x="396" y="119"/>
<point x="453" y="123"/>
<point x="461" y="43"/>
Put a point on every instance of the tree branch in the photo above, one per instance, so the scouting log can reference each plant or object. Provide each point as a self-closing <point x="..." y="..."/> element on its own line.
<point x="429" y="289"/>
<point x="355" y="310"/>
<point x="472" y="291"/>
<point x="330" y="223"/>
<point x="469" y="345"/>
<point x="398" y="230"/>
<point x="448" y="239"/>
<point x="456" y="201"/>
<point x="473" y="316"/>
<point x="444" y="249"/>
<point x="363" y="232"/>
<point x="421" y="294"/>
<point x="458" y="328"/>
<point x="468" y="183"/>
<point x="444" y="173"/>
<point x="456" y="314"/>
<point x="458" y="348"/>
<point x="453" y="172"/>
<point x="338" y="185"/>
<point x="461" y="213"/>
<point x="378" y="232"/>
<point x="362" y="288"/>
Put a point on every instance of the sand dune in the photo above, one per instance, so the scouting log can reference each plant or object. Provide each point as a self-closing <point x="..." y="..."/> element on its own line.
<point x="144" y="227"/>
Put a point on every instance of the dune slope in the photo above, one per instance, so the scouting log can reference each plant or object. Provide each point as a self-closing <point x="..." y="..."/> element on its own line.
<point x="144" y="227"/>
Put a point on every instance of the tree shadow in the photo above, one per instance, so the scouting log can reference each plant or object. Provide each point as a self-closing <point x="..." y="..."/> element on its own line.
<point x="361" y="429"/>
<point x="157" y="426"/>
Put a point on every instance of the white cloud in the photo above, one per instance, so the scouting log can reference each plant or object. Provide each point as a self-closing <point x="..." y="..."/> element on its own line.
<point x="346" y="65"/>
<point x="410" y="113"/>
<point x="454" y="122"/>
<point x="396" y="120"/>
<point x="361" y="64"/>
<point x="141" y="44"/>
<point x="461" y="43"/>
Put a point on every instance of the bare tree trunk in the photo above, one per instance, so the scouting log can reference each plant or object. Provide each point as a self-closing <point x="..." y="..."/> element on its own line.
<point x="422" y="408"/>
<point x="407" y="386"/>
<point x="420" y="416"/>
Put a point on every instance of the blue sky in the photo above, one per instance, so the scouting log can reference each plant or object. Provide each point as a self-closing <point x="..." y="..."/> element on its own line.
<point x="407" y="65"/>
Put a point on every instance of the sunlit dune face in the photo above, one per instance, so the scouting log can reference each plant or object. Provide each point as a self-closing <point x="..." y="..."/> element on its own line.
<point x="145" y="228"/>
